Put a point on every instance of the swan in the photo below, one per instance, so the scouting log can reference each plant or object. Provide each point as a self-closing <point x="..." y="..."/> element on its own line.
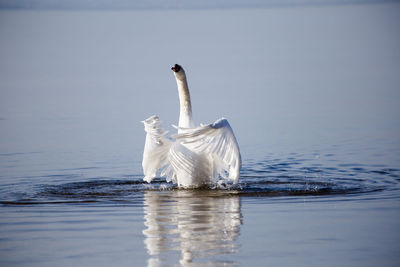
<point x="195" y="156"/>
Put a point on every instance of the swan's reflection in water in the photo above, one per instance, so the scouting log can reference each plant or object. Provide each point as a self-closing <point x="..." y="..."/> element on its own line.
<point x="194" y="228"/>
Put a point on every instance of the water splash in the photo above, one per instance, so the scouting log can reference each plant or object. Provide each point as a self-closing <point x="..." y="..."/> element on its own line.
<point x="284" y="178"/>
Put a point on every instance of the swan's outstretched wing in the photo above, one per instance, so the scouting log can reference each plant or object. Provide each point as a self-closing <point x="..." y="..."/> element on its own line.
<point x="218" y="141"/>
<point x="155" y="155"/>
<point x="192" y="153"/>
<point x="172" y="158"/>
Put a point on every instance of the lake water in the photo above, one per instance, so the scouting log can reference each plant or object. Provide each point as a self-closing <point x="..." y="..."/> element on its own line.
<point x="312" y="93"/>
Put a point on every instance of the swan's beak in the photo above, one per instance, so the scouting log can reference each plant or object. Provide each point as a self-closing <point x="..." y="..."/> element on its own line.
<point x="176" y="68"/>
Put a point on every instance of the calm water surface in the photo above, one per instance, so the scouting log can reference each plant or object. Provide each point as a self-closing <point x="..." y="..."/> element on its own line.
<point x="317" y="124"/>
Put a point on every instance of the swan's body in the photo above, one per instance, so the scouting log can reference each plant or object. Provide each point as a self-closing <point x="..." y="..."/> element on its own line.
<point x="198" y="155"/>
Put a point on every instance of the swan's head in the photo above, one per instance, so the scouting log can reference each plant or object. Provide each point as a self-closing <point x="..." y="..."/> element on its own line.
<point x="176" y="68"/>
<point x="178" y="71"/>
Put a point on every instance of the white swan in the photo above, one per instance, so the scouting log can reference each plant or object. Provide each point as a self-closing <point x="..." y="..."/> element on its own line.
<point x="199" y="155"/>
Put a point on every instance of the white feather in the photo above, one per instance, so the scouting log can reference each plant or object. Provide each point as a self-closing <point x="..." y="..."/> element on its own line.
<point x="198" y="155"/>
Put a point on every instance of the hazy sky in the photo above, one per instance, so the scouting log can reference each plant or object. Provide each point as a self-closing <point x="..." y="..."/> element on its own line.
<point x="170" y="4"/>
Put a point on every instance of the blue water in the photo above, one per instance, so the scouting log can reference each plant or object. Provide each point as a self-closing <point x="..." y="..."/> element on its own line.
<point x="311" y="93"/>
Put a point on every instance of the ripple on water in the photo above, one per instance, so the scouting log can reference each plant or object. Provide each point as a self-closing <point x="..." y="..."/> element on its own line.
<point x="288" y="178"/>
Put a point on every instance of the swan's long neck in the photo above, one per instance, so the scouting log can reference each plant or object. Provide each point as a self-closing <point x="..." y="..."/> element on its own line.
<point x="185" y="115"/>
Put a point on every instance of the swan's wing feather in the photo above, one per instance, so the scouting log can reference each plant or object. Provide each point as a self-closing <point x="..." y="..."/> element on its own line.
<point x="181" y="159"/>
<point x="215" y="140"/>
<point x="162" y="154"/>
<point x="155" y="154"/>
<point x="218" y="141"/>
